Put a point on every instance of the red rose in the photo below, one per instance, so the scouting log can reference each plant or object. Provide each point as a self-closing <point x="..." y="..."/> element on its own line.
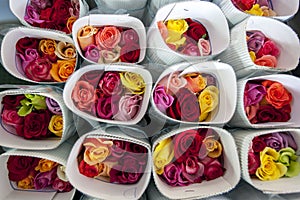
<point x="258" y="144"/>
<point x="185" y="107"/>
<point x="45" y="14"/>
<point x="244" y="4"/>
<point x="196" y="30"/>
<point x="61" y="10"/>
<point x="267" y="113"/>
<point x="186" y="143"/>
<point x="27" y="43"/>
<point x="213" y="169"/>
<point x="36" y="124"/>
<point x="130" y="53"/>
<point x="253" y="162"/>
<point x="268" y="48"/>
<point x="88" y="170"/>
<point x="12" y="101"/>
<point x="19" y="167"/>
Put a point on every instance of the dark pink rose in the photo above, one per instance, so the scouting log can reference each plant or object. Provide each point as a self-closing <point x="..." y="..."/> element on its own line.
<point x="32" y="15"/>
<point x="41" y="4"/>
<point x="110" y="84"/>
<point x="161" y="99"/>
<point x="92" y="53"/>
<point x="11" y="117"/>
<point x="61" y="186"/>
<point x="268" y="48"/>
<point x="267" y="113"/>
<point x="128" y="107"/>
<point x="253" y="162"/>
<point x="105" y="106"/>
<point x="84" y="96"/>
<point x="129" y="36"/>
<point x="173" y="175"/>
<point x="192" y="169"/>
<point x="44" y="179"/>
<point x="213" y="168"/>
<point x="26" y="43"/>
<point x="258" y="144"/>
<point x="12" y="101"/>
<point x="39" y="70"/>
<point x="253" y="93"/>
<point x="191" y="50"/>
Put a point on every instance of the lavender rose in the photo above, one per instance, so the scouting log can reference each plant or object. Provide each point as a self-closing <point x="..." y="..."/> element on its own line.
<point x="92" y="53"/>
<point x="253" y="93"/>
<point x="255" y="41"/>
<point x="279" y="141"/>
<point x="129" y="106"/>
<point x="53" y="106"/>
<point x="30" y="55"/>
<point x="44" y="179"/>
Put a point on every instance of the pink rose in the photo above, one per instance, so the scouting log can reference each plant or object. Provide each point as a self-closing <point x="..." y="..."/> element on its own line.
<point x="92" y="53"/>
<point x="84" y="96"/>
<point x="61" y="186"/>
<point x="41" y="4"/>
<point x="268" y="48"/>
<point x="106" y="106"/>
<point x="161" y="99"/>
<point x="173" y="175"/>
<point x="173" y="82"/>
<point x="39" y="70"/>
<point x="191" y="50"/>
<point x="266" y="60"/>
<point x="251" y="111"/>
<point x="129" y="36"/>
<point x="32" y="15"/>
<point x="192" y="169"/>
<point x="108" y="37"/>
<point x="204" y="47"/>
<point x="11" y="117"/>
<point x="213" y="168"/>
<point x="26" y="43"/>
<point x="129" y="106"/>
<point x="110" y="84"/>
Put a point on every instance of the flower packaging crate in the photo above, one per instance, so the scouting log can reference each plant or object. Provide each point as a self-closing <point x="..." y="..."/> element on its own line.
<point x="180" y="32"/>
<point x="195" y="162"/>
<point x="34" y="117"/>
<point x="269" y="159"/>
<point x="284" y="42"/>
<point x="112" y="158"/>
<point x="195" y="93"/>
<point x="107" y="38"/>
<point x="38" y="56"/>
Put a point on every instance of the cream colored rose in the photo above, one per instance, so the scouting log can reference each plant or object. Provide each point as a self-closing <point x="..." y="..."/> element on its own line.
<point x="96" y="150"/>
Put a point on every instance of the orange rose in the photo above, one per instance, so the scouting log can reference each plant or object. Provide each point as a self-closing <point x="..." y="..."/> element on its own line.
<point x="70" y="23"/>
<point x="85" y="36"/>
<point x="195" y="82"/>
<point x="266" y="60"/>
<point x="62" y="69"/>
<point x="108" y="38"/>
<point x="277" y="95"/>
<point x="47" y="46"/>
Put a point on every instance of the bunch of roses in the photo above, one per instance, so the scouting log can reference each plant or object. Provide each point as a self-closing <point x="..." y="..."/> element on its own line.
<point x="262" y="50"/>
<point x="189" y="157"/>
<point x="272" y="156"/>
<point x="45" y="60"/>
<point x="185" y="36"/>
<point x="109" y="44"/>
<point x="52" y="14"/>
<point x="113" y="161"/>
<point x="32" y="116"/>
<point x="114" y="95"/>
<point x="191" y="97"/>
<point x="267" y="101"/>
<point x="31" y="173"/>
<point x="255" y="7"/>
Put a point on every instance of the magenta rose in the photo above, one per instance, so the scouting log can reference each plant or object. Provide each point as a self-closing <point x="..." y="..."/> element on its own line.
<point x="192" y="169"/>
<point x="130" y="53"/>
<point x="61" y="186"/>
<point x="110" y="84"/>
<point x="26" y="43"/>
<point x="267" y="113"/>
<point x="105" y="106"/>
<point x="137" y="151"/>
<point x="41" y="4"/>
<point x="12" y="101"/>
<point x="53" y="106"/>
<point x="32" y="15"/>
<point x="253" y="162"/>
<point x="244" y="4"/>
<point x="161" y="99"/>
<point x="258" y="144"/>
<point x="92" y="77"/>
<point x="128" y="107"/>
<point x="88" y="170"/>
<point x="173" y="175"/>
<point x="191" y="50"/>
<point x="186" y="143"/>
<point x="44" y="179"/>
<point x="84" y="96"/>
<point x="92" y="53"/>
<point x="255" y="40"/>
<point x="19" y="167"/>
<point x="36" y="124"/>
<point x="39" y="70"/>
<point x="268" y="48"/>
<point x="253" y="93"/>
<point x="29" y="56"/>
<point x="196" y="30"/>
<point x="129" y="36"/>
<point x="185" y="106"/>
<point x="213" y="169"/>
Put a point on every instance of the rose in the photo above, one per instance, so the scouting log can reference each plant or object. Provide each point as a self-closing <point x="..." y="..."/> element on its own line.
<point x="11" y="117"/>
<point x="139" y="152"/>
<point x="213" y="147"/>
<point x="288" y="140"/>
<point x="195" y="82"/>
<point x="41" y="4"/>
<point x="44" y="179"/>
<point x="128" y="108"/>
<point x="105" y="168"/>
<point x="289" y="158"/>
<point x="56" y="125"/>
<point x="70" y="23"/>
<point x="173" y="175"/>
<point x="196" y="30"/>
<point x="268" y="12"/>
<point x="253" y="163"/>
<point x="208" y="100"/>
<point x="61" y="10"/>
<point x="191" y="50"/>
<point x="45" y="14"/>
<point x="163" y="154"/>
<point x="61" y="185"/>
<point x="96" y="150"/>
<point x="26" y="43"/>
<point x="185" y="106"/>
<point x="267" y="113"/>
<point x="47" y="47"/>
<point x="176" y="28"/>
<point x="251" y="111"/>
<point x="32" y="15"/>
<point x="173" y="82"/>
<point x="30" y="55"/>
<point x="270" y="169"/>
<point x="161" y="99"/>
<point x="75" y="9"/>
<point x="38" y="70"/>
<point x="61" y="70"/>
<point x="279" y="141"/>
<point x="110" y="56"/>
<point x="129" y="36"/>
<point x="133" y="82"/>
<point x="84" y="96"/>
<point x="212" y="169"/>
<point x="162" y="29"/>
<point x="53" y="106"/>
<point x="92" y="53"/>
<point x="26" y="183"/>
<point x="105" y="107"/>
<point x="92" y="77"/>
<point x="192" y="169"/>
<point x="253" y="93"/>
<point x="85" y="36"/>
<point x="88" y="170"/>
<point x="258" y="144"/>
<point x="45" y="165"/>
<point x="36" y="124"/>
<point x="108" y="38"/>
<point x="12" y="101"/>
<point x="245" y="4"/>
<point x="277" y="95"/>
<point x="65" y="50"/>
<point x="117" y="150"/>
<point x="204" y="47"/>
<point x="186" y="143"/>
<point x="130" y="53"/>
<point x="255" y="40"/>
<point x="110" y="84"/>
<point x="266" y="60"/>
<point x="268" y="48"/>
<point x="19" y="167"/>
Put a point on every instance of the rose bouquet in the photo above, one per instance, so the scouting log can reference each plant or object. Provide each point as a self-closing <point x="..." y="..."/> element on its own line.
<point x="101" y="38"/>
<point x="115" y="96"/>
<point x="193" y="159"/>
<point x="256" y="7"/>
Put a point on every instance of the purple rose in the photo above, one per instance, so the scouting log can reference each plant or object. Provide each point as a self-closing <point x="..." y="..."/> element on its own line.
<point x="105" y="106"/>
<point x="191" y="50"/>
<point x="41" y="4"/>
<point x="210" y="80"/>
<point x="110" y="84"/>
<point x="92" y="53"/>
<point x="61" y="186"/>
<point x="32" y="15"/>
<point x="192" y="169"/>
<point x="12" y="101"/>
<point x="137" y="151"/>
<point x="253" y="93"/>
<point x="44" y="179"/>
<point x="161" y="99"/>
<point x="278" y="141"/>
<point x="255" y="41"/>
<point x="129" y="36"/>
<point x="30" y="55"/>
<point x="129" y="106"/>
<point x="53" y="106"/>
<point x="267" y="113"/>
<point x="173" y="175"/>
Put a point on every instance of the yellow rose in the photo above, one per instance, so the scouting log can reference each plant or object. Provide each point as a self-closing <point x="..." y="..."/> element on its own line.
<point x="163" y="155"/>
<point x="26" y="183"/>
<point x="269" y="169"/>
<point x="208" y="100"/>
<point x="47" y="46"/>
<point x="213" y="147"/>
<point x="255" y="10"/>
<point x="65" y="51"/>
<point x="133" y="82"/>
<point x="196" y="82"/>
<point x="175" y="30"/>
<point x="252" y="55"/>
<point x="56" y="125"/>
<point x="45" y="165"/>
<point x="96" y="150"/>
<point x="105" y="167"/>
<point x="62" y="69"/>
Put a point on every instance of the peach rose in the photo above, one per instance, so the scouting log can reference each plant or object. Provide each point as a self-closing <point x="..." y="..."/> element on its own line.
<point x="108" y="38"/>
<point x="84" y="96"/>
<point x="196" y="82"/>
<point x="266" y="60"/>
<point x="85" y="36"/>
<point x="204" y="47"/>
<point x="62" y="69"/>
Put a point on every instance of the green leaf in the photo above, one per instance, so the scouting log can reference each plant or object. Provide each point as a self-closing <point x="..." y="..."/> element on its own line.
<point x="39" y="102"/>
<point x="204" y="36"/>
<point x="29" y="96"/>
<point x="25" y="110"/>
<point x="293" y="169"/>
